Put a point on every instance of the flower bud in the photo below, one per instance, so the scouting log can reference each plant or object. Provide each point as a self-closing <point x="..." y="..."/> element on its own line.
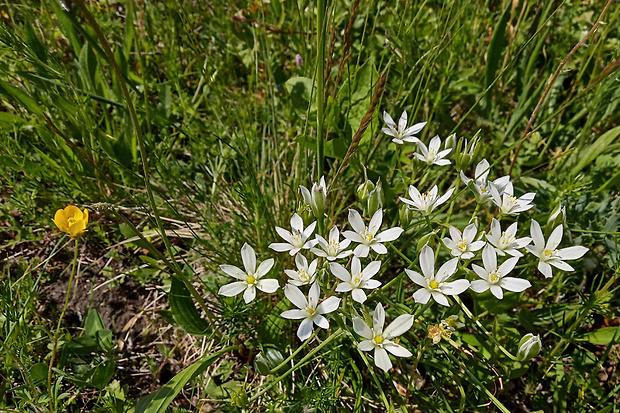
<point x="450" y="141"/>
<point x="364" y="190"/>
<point x="375" y="198"/>
<point x="557" y="217"/>
<point x="427" y="239"/>
<point x="466" y="153"/>
<point x="316" y="198"/>
<point x="529" y="347"/>
<point x="405" y="215"/>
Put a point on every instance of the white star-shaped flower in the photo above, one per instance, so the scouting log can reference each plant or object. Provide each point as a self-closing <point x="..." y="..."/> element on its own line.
<point x="309" y="309"/>
<point x="426" y="202"/>
<point x="432" y="154"/>
<point x="251" y="279"/>
<point x="380" y="340"/>
<point x="332" y="249"/>
<point x="494" y="278"/>
<point x="297" y="239"/>
<point x="305" y="274"/>
<point x="548" y="254"/>
<point x="435" y="285"/>
<point x="401" y="133"/>
<point x="358" y="279"/>
<point x="462" y="245"/>
<point x="506" y="242"/>
<point x="509" y="204"/>
<point x="480" y="184"/>
<point x="368" y="237"/>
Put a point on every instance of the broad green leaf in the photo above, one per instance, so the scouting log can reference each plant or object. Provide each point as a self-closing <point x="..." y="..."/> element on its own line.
<point x="93" y="323"/>
<point x="184" y="311"/>
<point x="603" y="336"/>
<point x="158" y="402"/>
<point x="300" y="89"/>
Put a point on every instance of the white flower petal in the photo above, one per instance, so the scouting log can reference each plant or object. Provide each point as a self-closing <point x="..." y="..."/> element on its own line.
<point x="422" y="296"/>
<point x="234" y="272"/>
<point x="440" y="298"/>
<point x="455" y="287"/>
<point x="389" y="234"/>
<point x="264" y="267"/>
<point x="365" y="345"/>
<point x="305" y="329"/>
<point x="268" y="286"/>
<point x="514" y="284"/>
<point x="399" y="326"/>
<point x="427" y="261"/>
<point x="572" y="253"/>
<point x="479" y="286"/>
<point x="232" y="289"/>
<point x="329" y="305"/>
<point x="397" y="350"/>
<point x="248" y="256"/>
<point x="356" y="221"/>
<point x="339" y="271"/>
<point x="545" y="269"/>
<point x="249" y="294"/>
<point x="382" y="360"/>
<point x="321" y="321"/>
<point x="295" y="296"/>
<point x="295" y="314"/>
<point x="361" y="328"/>
<point x="358" y="295"/>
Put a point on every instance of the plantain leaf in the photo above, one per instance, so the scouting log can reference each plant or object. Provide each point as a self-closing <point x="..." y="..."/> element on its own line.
<point x="158" y="402"/>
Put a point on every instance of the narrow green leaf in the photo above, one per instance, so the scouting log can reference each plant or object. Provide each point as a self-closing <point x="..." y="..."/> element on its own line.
<point x="603" y="336"/>
<point x="588" y="154"/>
<point x="494" y="53"/>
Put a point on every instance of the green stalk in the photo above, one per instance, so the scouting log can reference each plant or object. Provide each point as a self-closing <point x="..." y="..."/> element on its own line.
<point x="303" y="361"/>
<point x="62" y="314"/>
<point x="320" y="83"/>
<point x="139" y="137"/>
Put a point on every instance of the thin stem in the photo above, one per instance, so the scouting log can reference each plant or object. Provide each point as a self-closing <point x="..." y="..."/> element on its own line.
<point x="62" y="314"/>
<point x="301" y="362"/>
<point x="320" y="95"/>
<point x="292" y="356"/>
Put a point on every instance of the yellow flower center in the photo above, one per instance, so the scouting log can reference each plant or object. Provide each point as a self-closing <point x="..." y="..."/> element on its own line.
<point x="356" y="280"/>
<point x="548" y="253"/>
<point x="303" y="275"/>
<point x="72" y="220"/>
<point x="250" y="280"/>
<point x="462" y="245"/>
<point x="433" y="284"/>
<point x="378" y="339"/>
<point x="494" y="276"/>
<point x="310" y="310"/>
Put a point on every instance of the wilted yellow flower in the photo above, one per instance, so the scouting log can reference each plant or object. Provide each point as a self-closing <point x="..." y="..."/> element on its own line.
<point x="71" y="220"/>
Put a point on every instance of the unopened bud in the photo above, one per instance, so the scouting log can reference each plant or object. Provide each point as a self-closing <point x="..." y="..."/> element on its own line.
<point x="364" y="190"/>
<point x="529" y="347"/>
<point x="375" y="198"/>
<point x="405" y="215"/>
<point x="316" y="198"/>
<point x="427" y="239"/>
<point x="450" y="141"/>
<point x="557" y="217"/>
<point x="266" y="361"/>
<point x="467" y="152"/>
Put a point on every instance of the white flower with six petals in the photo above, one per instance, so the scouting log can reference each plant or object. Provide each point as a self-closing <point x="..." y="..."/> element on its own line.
<point x="509" y="204"/>
<point x="426" y="202"/>
<point x="368" y="237"/>
<point x="401" y="133"/>
<point x="251" y="279"/>
<point x="380" y="340"/>
<point x="462" y="245"/>
<point x="309" y="309"/>
<point x="358" y="279"/>
<point x="332" y="249"/>
<point x="548" y="254"/>
<point x="295" y="240"/>
<point x="506" y="242"/>
<point x="494" y="278"/>
<point x="480" y="183"/>
<point x="305" y="274"/>
<point x="432" y="155"/>
<point x="435" y="285"/>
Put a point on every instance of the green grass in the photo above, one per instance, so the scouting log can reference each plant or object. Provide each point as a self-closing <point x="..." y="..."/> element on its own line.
<point x="225" y="132"/>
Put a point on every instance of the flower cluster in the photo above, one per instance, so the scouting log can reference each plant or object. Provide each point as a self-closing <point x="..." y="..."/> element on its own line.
<point x="477" y="257"/>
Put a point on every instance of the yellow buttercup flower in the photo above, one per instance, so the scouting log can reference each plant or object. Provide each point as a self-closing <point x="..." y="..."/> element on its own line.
<point x="71" y="220"/>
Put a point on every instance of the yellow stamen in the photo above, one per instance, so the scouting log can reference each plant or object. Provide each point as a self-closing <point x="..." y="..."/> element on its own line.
<point x="433" y="284"/>
<point x="250" y="280"/>
<point x="378" y="339"/>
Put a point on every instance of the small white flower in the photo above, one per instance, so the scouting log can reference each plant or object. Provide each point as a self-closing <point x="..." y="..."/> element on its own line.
<point x="480" y="184"/>
<point x="463" y="245"/>
<point x="426" y="202"/>
<point x="368" y="237"/>
<point x="435" y="285"/>
<point x="305" y="274"/>
<point x="432" y="154"/>
<point x="357" y="279"/>
<point x="334" y="249"/>
<point x="401" y="133"/>
<point x="251" y="279"/>
<point x="316" y="198"/>
<point x="506" y="242"/>
<point x="309" y="309"/>
<point x="548" y="254"/>
<point x="380" y="340"/>
<point x="509" y="204"/>
<point x="494" y="277"/>
<point x="295" y="240"/>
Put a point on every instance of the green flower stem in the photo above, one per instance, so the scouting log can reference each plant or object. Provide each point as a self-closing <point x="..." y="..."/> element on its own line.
<point x="384" y="399"/>
<point x="140" y="139"/>
<point x="301" y="362"/>
<point x="475" y="380"/>
<point x="456" y="190"/>
<point x="62" y="314"/>
<point x="489" y="335"/>
<point x="320" y="83"/>
<point x="292" y="356"/>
